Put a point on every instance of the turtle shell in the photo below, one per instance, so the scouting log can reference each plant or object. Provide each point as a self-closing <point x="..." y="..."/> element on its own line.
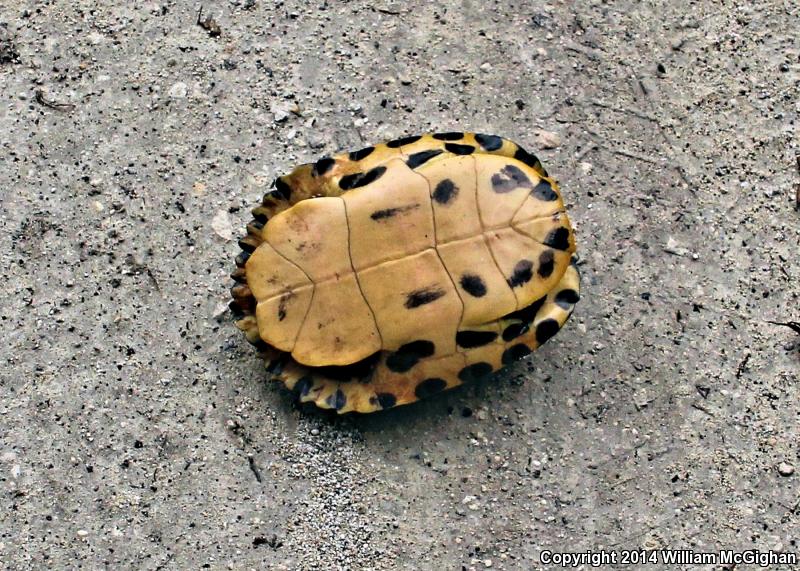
<point x="377" y="277"/>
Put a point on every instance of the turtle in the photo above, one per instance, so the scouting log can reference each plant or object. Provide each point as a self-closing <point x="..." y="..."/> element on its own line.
<point x="377" y="277"/>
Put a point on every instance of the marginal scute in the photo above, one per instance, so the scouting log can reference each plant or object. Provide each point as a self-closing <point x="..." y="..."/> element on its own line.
<point x="515" y="353"/>
<point x="361" y="154"/>
<point x="545" y="330"/>
<point x="567" y="297"/>
<point x="322" y="166"/>
<point x="376" y="277"/>
<point x="429" y="387"/>
<point x="451" y="136"/>
<point x="532" y="161"/>
<point x="474" y="371"/>
<point x="386" y="400"/>
<point x="489" y="142"/>
<point x="396" y="143"/>
<point x="457" y="149"/>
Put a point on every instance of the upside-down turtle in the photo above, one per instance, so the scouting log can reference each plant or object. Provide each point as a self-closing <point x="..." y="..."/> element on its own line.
<point x="375" y="278"/>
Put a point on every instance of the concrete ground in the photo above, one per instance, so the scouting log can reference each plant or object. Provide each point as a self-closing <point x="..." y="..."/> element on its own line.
<point x="138" y="430"/>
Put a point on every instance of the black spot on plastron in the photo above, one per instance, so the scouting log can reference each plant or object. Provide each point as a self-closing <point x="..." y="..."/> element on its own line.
<point x="527" y="314"/>
<point x="282" y="306"/>
<point x="523" y="273"/>
<point x="322" y="166"/>
<point x="422" y="157"/>
<point x="355" y="180"/>
<point x="475" y="371"/>
<point x="489" y="142"/>
<point x="303" y="386"/>
<point x="283" y="189"/>
<point x="361" y="154"/>
<point x="409" y="355"/>
<point x="391" y="212"/>
<point x="457" y="149"/>
<point x="515" y="353"/>
<point x="470" y="339"/>
<point x="451" y="136"/>
<point x="543" y="191"/>
<point x="337" y="400"/>
<point x="546" y="329"/>
<point x="558" y="238"/>
<point x="473" y="285"/>
<point x="403" y="141"/>
<point x="515" y="330"/>
<point x="386" y="400"/>
<point x="509" y="178"/>
<point x="567" y="298"/>
<point x="423" y="296"/>
<point x="524" y="156"/>
<point x="546" y="264"/>
<point x="445" y="191"/>
<point x="429" y="387"/>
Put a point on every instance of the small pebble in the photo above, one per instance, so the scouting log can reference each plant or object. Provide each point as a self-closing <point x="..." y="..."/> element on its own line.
<point x="785" y="469"/>
<point x="179" y="90"/>
<point x="222" y="226"/>
<point x="314" y="432"/>
<point x="548" y="139"/>
<point x="280" y="112"/>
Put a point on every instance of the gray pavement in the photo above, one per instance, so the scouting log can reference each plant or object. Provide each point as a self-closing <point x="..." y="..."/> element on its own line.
<point x="138" y="429"/>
